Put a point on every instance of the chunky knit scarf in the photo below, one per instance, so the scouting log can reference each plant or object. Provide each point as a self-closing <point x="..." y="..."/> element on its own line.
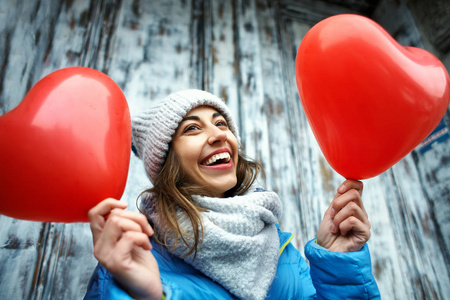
<point x="240" y="246"/>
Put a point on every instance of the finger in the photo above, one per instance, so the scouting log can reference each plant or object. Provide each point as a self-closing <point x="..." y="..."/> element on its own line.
<point x="350" y="184"/>
<point x="136" y="217"/>
<point x="122" y="258"/>
<point x="340" y="202"/>
<point x="116" y="227"/>
<point x="117" y="257"/>
<point x="104" y="208"/>
<point x="124" y="248"/>
<point x="361" y="230"/>
<point x="349" y="211"/>
<point x="97" y="215"/>
<point x="135" y="238"/>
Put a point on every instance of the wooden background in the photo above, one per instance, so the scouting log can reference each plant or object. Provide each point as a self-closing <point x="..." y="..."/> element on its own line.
<point x="243" y="51"/>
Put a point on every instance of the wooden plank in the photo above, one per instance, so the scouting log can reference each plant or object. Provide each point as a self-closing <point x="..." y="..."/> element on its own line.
<point x="53" y="260"/>
<point x="152" y="54"/>
<point x="433" y="169"/>
<point x="414" y="228"/>
<point x="222" y="77"/>
<point x="253" y="120"/>
<point x="283" y="179"/>
<point x="303" y="143"/>
<point x="20" y="257"/>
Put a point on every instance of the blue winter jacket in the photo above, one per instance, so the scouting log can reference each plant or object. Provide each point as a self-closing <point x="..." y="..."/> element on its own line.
<point x="332" y="275"/>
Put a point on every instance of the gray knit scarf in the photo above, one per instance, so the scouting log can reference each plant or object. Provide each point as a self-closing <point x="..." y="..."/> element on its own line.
<point x="240" y="246"/>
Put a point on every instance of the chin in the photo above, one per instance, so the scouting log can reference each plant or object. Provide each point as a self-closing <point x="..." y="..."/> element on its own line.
<point x="220" y="190"/>
<point x="228" y="188"/>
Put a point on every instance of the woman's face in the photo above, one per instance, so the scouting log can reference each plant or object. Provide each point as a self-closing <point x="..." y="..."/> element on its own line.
<point x="207" y="150"/>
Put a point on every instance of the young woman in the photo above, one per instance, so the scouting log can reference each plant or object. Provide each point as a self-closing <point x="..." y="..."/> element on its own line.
<point x="214" y="232"/>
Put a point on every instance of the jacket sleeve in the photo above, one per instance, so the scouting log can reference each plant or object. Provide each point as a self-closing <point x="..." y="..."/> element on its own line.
<point x="342" y="275"/>
<point x="102" y="286"/>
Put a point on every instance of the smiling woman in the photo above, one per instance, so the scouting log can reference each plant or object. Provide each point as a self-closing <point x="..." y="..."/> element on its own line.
<point x="214" y="233"/>
<point x="207" y="150"/>
<point x="205" y="133"/>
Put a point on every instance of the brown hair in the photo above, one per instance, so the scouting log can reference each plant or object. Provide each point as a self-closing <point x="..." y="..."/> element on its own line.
<point x="172" y="191"/>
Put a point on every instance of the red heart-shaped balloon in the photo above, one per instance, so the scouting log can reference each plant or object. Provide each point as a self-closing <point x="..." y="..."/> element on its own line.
<point x="368" y="100"/>
<point x="65" y="147"/>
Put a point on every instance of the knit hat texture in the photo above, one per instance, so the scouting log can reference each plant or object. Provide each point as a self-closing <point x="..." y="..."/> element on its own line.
<point x="154" y="128"/>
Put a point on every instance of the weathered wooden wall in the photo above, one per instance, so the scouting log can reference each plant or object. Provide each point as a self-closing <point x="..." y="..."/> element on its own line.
<point x="244" y="51"/>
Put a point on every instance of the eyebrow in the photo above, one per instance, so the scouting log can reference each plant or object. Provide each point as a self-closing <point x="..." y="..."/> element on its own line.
<point x="190" y="118"/>
<point x="196" y="118"/>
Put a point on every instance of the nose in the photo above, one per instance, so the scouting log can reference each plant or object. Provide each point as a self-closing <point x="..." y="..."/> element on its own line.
<point x="216" y="135"/>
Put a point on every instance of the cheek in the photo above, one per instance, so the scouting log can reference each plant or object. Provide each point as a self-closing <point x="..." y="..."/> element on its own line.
<point x="187" y="161"/>
<point x="188" y="156"/>
<point x="234" y="144"/>
<point x="192" y="153"/>
<point x="232" y="139"/>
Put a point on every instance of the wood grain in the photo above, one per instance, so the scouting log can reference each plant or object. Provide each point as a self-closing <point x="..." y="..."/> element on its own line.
<point x="243" y="51"/>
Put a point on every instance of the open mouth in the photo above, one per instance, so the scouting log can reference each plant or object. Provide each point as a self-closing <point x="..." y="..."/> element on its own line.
<point x="217" y="159"/>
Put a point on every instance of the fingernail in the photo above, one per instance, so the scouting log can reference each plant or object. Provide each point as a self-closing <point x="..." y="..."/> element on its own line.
<point x="341" y="188"/>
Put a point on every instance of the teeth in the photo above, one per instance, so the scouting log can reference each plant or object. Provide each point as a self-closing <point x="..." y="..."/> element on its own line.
<point x="214" y="158"/>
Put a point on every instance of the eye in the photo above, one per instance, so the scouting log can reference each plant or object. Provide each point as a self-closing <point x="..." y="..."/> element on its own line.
<point x="189" y="128"/>
<point x="221" y="123"/>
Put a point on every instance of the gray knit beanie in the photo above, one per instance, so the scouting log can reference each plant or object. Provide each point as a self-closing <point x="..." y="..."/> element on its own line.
<point x="153" y="129"/>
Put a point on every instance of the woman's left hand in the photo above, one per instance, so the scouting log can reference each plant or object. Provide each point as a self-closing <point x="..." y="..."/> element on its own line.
<point x="345" y="226"/>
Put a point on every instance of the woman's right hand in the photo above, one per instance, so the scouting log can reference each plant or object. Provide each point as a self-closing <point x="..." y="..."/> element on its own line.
<point x="122" y="246"/>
